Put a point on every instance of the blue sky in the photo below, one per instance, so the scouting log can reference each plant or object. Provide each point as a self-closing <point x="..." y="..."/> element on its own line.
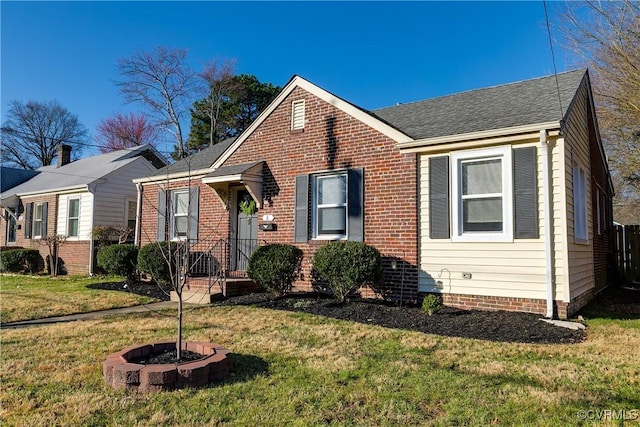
<point x="373" y="54"/>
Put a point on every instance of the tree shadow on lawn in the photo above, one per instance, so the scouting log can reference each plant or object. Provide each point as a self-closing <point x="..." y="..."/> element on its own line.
<point x="245" y="367"/>
<point x="147" y="289"/>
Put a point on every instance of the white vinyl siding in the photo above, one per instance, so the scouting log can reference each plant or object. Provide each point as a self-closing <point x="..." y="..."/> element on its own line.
<point x="297" y="115"/>
<point x="111" y="196"/>
<point x="511" y="268"/>
<point x="580" y="265"/>
<point x="74" y="216"/>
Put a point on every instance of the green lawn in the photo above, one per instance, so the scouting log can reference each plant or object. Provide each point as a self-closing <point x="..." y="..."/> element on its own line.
<point x="34" y="297"/>
<point x="304" y="370"/>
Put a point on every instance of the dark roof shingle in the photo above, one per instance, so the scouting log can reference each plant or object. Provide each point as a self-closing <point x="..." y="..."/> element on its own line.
<point x="514" y="104"/>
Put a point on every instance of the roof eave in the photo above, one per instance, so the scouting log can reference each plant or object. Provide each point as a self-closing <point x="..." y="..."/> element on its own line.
<point x="514" y="131"/>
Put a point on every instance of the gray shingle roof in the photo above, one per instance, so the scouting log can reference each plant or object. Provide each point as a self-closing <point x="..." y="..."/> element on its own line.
<point x="233" y="169"/>
<point x="515" y="104"/>
<point x="77" y="174"/>
<point x="197" y="161"/>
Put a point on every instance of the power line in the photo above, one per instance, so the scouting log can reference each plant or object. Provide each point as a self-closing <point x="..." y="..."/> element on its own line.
<point x="553" y="57"/>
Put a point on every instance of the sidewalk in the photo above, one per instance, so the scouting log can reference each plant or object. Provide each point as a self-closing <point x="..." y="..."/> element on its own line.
<point x="91" y="315"/>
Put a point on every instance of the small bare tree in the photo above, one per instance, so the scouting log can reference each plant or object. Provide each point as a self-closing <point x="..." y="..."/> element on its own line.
<point x="53" y="243"/>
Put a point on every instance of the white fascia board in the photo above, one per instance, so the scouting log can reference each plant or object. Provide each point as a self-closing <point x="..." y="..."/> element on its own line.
<point x="65" y="190"/>
<point x="326" y="96"/>
<point x="515" y="131"/>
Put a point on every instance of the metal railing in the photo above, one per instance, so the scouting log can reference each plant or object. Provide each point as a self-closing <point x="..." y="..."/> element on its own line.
<point x="217" y="258"/>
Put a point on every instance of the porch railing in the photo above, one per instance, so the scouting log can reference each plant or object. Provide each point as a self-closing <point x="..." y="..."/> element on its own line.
<point x="219" y="258"/>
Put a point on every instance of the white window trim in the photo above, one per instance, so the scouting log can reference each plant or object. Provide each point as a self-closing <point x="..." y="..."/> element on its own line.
<point x="127" y="201"/>
<point x="580" y="226"/>
<point x="315" y="206"/>
<point x="294" y="105"/>
<point x="506" y="235"/>
<point x="69" y="200"/>
<point x="173" y="206"/>
<point x="37" y="231"/>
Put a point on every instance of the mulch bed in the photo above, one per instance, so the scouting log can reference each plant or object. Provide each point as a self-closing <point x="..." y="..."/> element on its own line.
<point x="501" y="326"/>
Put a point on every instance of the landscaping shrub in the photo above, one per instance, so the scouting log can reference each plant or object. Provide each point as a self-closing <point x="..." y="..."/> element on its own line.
<point x="275" y="266"/>
<point x="347" y="266"/>
<point x="152" y="260"/>
<point x="19" y="260"/>
<point x="431" y="304"/>
<point x="119" y="259"/>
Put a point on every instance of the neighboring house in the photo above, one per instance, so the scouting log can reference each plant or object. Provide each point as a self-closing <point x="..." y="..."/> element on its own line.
<point x="9" y="178"/>
<point x="72" y="198"/>
<point x="453" y="192"/>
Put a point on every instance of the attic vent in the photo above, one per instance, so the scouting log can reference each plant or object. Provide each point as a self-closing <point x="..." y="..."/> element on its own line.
<point x="297" y="115"/>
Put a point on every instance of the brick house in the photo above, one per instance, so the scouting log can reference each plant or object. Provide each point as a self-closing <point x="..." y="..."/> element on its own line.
<point x="319" y="168"/>
<point x="71" y="198"/>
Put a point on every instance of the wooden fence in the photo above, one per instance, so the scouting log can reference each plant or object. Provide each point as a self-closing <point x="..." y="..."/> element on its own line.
<point x="626" y="252"/>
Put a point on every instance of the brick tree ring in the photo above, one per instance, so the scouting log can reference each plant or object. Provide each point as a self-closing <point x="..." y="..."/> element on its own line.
<point x="120" y="372"/>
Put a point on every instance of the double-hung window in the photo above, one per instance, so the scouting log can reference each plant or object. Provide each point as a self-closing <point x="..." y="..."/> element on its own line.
<point x="73" y="217"/>
<point x="37" y="220"/>
<point x="482" y="195"/>
<point x="180" y="214"/>
<point x="330" y="208"/>
<point x="579" y="204"/>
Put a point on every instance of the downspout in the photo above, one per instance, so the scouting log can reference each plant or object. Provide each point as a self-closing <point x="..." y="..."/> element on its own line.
<point x="136" y="237"/>
<point x="91" y="188"/>
<point x="546" y="203"/>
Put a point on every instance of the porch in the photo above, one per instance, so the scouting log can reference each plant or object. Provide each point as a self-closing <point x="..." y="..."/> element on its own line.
<point x="215" y="269"/>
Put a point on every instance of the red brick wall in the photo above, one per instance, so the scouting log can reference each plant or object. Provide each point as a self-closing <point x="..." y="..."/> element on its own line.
<point x="52" y="219"/>
<point x="331" y="140"/>
<point x="74" y="255"/>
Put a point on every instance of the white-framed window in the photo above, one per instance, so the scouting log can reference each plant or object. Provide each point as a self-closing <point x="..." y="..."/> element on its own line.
<point x="12" y="227"/>
<point x="482" y="196"/>
<point x="579" y="204"/>
<point x="179" y="214"/>
<point x="330" y="206"/>
<point x="131" y="215"/>
<point x="73" y="216"/>
<point x="297" y="115"/>
<point x="37" y="220"/>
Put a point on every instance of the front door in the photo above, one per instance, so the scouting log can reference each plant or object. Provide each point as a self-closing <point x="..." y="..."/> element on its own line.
<point x="245" y="238"/>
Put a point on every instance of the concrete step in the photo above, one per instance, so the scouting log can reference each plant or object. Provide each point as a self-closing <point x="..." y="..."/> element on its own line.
<point x="199" y="293"/>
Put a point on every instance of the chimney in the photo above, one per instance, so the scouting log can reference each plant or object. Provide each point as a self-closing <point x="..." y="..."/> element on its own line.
<point x="64" y="154"/>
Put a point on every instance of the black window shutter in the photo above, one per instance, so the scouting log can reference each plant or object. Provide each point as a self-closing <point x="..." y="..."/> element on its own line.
<point x="301" y="220"/>
<point x="439" y="227"/>
<point x="28" y="220"/>
<point x="525" y="193"/>
<point x="162" y="215"/>
<point x="43" y="229"/>
<point x="194" y="193"/>
<point x="355" y="195"/>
